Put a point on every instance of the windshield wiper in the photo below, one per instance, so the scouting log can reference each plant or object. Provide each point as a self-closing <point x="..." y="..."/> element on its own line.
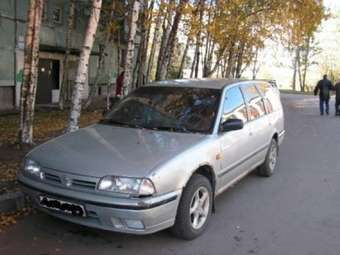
<point x="119" y="123"/>
<point x="169" y="128"/>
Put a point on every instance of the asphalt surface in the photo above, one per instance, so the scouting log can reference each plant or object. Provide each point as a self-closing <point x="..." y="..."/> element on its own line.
<point x="295" y="212"/>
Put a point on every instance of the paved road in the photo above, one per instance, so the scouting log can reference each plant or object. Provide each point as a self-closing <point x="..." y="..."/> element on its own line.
<point x="296" y="212"/>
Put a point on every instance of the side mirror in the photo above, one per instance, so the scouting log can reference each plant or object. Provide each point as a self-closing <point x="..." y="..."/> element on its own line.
<point x="231" y="125"/>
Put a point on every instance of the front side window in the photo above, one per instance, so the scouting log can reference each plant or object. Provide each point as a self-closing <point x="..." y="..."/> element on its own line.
<point x="256" y="107"/>
<point x="234" y="106"/>
<point x="176" y="109"/>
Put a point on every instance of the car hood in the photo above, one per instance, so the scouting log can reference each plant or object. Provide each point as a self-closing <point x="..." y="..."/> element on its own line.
<point x="101" y="150"/>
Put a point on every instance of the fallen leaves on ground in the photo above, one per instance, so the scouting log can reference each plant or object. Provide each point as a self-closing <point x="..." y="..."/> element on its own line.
<point x="8" y="171"/>
<point x="46" y="125"/>
<point x="8" y="219"/>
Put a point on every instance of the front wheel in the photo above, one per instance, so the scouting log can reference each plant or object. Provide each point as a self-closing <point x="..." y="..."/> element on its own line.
<point x="269" y="165"/>
<point x="194" y="209"/>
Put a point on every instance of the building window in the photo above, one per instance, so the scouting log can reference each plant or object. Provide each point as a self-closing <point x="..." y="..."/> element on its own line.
<point x="44" y="13"/>
<point x="57" y="15"/>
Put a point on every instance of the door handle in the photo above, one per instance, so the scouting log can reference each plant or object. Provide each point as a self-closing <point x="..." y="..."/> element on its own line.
<point x="250" y="133"/>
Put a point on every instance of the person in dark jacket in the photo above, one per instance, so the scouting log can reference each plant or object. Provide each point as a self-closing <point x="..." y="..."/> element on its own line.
<point x="337" y="98"/>
<point x="120" y="84"/>
<point x="324" y="88"/>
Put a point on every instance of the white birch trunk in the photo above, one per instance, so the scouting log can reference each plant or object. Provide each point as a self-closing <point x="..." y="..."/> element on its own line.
<point x="31" y="60"/>
<point x="128" y="67"/>
<point x="82" y="70"/>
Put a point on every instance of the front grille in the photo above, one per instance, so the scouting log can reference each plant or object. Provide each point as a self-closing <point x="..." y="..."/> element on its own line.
<point x="84" y="184"/>
<point x="52" y="178"/>
<point x="69" y="181"/>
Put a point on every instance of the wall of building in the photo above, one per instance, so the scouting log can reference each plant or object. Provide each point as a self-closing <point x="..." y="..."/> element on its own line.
<point x="13" y="14"/>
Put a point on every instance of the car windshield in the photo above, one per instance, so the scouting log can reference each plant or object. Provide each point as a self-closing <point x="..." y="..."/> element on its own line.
<point x="176" y="109"/>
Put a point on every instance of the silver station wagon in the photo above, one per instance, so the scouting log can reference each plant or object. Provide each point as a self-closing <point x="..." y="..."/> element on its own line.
<point x="159" y="158"/>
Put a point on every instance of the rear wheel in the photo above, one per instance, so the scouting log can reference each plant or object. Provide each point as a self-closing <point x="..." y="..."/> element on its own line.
<point x="194" y="209"/>
<point x="268" y="167"/>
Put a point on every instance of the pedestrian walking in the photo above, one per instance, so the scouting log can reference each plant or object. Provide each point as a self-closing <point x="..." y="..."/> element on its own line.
<point x="324" y="88"/>
<point x="337" y="98"/>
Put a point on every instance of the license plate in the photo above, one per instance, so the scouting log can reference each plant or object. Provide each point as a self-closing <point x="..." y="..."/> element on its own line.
<point x="62" y="206"/>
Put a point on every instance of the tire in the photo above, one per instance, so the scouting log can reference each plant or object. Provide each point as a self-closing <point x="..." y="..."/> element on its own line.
<point x="186" y="227"/>
<point x="268" y="167"/>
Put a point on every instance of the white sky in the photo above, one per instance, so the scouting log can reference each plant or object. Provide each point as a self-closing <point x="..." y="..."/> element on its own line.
<point x="333" y="4"/>
<point x="278" y="62"/>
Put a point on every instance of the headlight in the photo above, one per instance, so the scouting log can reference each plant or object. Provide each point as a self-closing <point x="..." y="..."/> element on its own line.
<point x="32" y="167"/>
<point x="136" y="186"/>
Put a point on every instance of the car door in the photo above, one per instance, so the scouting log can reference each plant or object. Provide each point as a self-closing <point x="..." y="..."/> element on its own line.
<point x="259" y="126"/>
<point x="234" y="144"/>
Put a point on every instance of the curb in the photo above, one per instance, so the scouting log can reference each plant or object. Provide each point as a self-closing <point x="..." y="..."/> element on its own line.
<point x="12" y="201"/>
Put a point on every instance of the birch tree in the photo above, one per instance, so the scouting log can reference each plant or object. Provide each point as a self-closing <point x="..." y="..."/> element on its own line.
<point x="167" y="24"/>
<point x="155" y="41"/>
<point x="82" y="71"/>
<point x="31" y="60"/>
<point x="109" y="28"/>
<point x="146" y="21"/>
<point x="70" y="24"/>
<point x="128" y="66"/>
<point x="162" y="70"/>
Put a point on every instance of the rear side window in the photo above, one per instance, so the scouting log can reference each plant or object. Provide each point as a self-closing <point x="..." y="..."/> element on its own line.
<point x="256" y="107"/>
<point x="234" y="106"/>
<point x="266" y="90"/>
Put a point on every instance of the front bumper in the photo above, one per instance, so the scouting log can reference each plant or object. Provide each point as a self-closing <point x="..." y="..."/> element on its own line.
<point x="109" y="213"/>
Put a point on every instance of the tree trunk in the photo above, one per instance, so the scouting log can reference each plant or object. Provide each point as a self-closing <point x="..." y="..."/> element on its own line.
<point x="197" y="56"/>
<point x="239" y="60"/>
<point x="82" y="71"/>
<point x="101" y="59"/>
<point x="155" y="41"/>
<point x="181" y="67"/>
<point x="167" y="24"/>
<point x="295" y="71"/>
<point x="299" y="69"/>
<point x="217" y="63"/>
<point x="207" y="45"/>
<point x="208" y="61"/>
<point x="198" y="36"/>
<point x="146" y="25"/>
<point x="31" y="60"/>
<point x="70" y="22"/>
<point x="142" y="49"/>
<point x="162" y="72"/>
<point x="128" y="67"/>
<point x="193" y="66"/>
<point x="255" y="69"/>
<point x="306" y="63"/>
